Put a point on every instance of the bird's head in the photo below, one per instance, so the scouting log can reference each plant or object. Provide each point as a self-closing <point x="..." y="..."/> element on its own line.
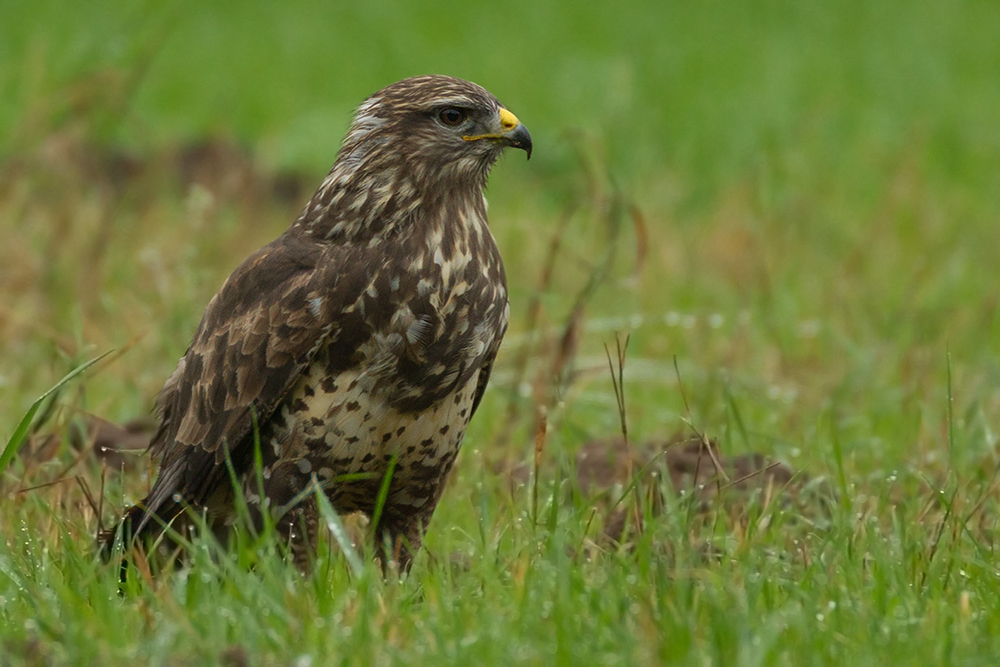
<point x="421" y="140"/>
<point x="436" y="123"/>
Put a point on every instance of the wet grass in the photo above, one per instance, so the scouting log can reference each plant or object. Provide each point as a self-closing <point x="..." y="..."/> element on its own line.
<point x="789" y="208"/>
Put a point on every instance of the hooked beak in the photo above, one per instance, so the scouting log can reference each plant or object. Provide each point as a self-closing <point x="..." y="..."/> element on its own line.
<point x="513" y="134"/>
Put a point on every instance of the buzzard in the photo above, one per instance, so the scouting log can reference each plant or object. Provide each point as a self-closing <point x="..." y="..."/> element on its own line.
<point x="355" y="347"/>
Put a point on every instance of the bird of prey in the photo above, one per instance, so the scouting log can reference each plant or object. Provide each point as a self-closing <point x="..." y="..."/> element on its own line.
<point x="356" y="344"/>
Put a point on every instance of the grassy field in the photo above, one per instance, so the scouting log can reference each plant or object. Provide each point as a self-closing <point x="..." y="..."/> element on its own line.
<point x="790" y="208"/>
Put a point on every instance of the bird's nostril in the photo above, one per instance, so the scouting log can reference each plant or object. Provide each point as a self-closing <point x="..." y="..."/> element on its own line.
<point x="508" y="121"/>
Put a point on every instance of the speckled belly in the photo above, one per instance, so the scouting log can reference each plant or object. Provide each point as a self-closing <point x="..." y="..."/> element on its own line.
<point x="345" y="431"/>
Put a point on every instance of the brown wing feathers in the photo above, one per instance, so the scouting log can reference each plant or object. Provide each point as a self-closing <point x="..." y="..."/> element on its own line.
<point x="255" y="338"/>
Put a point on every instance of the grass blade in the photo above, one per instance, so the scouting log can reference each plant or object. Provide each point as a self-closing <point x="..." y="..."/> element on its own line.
<point x="21" y="432"/>
<point x="336" y="528"/>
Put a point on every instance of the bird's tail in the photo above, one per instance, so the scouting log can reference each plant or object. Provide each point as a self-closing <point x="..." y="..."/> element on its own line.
<point x="140" y="529"/>
<point x="122" y="533"/>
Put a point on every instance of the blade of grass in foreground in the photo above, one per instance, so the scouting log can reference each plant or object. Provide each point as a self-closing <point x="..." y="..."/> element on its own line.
<point x="21" y="432"/>
<point x="336" y="527"/>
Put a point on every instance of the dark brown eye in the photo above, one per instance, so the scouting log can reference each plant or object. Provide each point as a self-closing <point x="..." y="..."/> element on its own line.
<point x="452" y="116"/>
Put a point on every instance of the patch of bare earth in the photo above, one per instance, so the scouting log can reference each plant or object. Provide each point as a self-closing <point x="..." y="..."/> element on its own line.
<point x="608" y="472"/>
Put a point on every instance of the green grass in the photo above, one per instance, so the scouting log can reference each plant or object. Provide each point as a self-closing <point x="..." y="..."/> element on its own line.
<point x="817" y="187"/>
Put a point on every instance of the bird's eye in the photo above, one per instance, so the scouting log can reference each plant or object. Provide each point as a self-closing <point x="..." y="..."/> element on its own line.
<point x="452" y="116"/>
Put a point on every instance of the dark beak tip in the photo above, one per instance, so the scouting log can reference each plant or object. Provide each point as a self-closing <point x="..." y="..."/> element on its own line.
<point x="520" y="138"/>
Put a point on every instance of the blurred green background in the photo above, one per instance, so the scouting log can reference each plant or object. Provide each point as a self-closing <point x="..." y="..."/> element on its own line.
<point x="792" y="206"/>
<point x="815" y="180"/>
<point x="707" y="90"/>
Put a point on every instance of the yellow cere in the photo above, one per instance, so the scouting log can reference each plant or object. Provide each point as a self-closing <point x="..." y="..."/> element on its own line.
<point x="508" y="122"/>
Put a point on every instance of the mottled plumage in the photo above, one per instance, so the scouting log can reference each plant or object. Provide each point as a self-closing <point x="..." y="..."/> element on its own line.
<point x="363" y="334"/>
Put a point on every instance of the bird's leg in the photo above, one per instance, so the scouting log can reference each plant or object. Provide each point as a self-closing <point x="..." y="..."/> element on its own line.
<point x="398" y="536"/>
<point x="406" y="514"/>
<point x="298" y="529"/>
<point x="292" y="510"/>
<point x="402" y="524"/>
